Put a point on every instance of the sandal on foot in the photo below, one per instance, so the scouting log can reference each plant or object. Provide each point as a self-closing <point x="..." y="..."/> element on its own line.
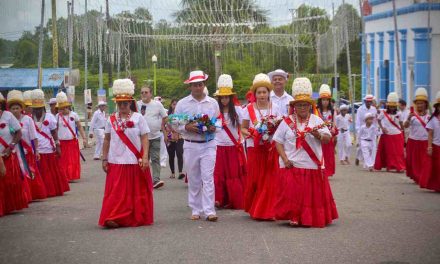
<point x="212" y="218"/>
<point x="195" y="217"/>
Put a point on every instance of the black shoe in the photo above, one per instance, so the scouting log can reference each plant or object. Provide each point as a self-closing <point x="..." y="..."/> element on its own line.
<point x="158" y="184"/>
<point x="181" y="176"/>
<point x="357" y="162"/>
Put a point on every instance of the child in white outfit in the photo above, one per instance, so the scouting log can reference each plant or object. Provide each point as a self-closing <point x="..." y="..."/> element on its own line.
<point x="366" y="141"/>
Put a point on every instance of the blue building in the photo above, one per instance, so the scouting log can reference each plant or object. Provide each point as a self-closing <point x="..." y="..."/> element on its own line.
<point x="418" y="24"/>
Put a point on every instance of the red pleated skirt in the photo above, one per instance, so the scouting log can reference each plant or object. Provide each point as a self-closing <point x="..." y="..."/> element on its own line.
<point x="54" y="179"/>
<point x="390" y="153"/>
<point x="128" y="196"/>
<point x="70" y="159"/>
<point x="305" y="197"/>
<point x="433" y="182"/>
<point x="418" y="162"/>
<point x="328" y="151"/>
<point x="262" y="182"/>
<point x="36" y="185"/>
<point x="13" y="187"/>
<point x="230" y="177"/>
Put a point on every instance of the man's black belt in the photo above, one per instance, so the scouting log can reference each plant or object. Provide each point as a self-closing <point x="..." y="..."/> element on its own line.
<point x="198" y="141"/>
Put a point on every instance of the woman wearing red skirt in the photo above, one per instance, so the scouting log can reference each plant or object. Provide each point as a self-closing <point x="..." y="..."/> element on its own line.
<point x="67" y="122"/>
<point x="13" y="186"/>
<point x="48" y="147"/>
<point x="230" y="164"/>
<point x="433" y="126"/>
<point x="262" y="164"/>
<point x="327" y="114"/>
<point x="29" y="143"/>
<point x="128" y="196"/>
<point x="305" y="197"/>
<point x="418" y="162"/>
<point x="390" y="151"/>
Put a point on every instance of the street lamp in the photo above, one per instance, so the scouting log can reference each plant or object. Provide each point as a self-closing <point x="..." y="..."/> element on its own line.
<point x="154" y="60"/>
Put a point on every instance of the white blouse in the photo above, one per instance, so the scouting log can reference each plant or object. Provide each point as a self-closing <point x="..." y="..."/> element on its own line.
<point x="46" y="125"/>
<point x="28" y="131"/>
<point x="299" y="157"/>
<point x="392" y="130"/>
<point x="416" y="130"/>
<point x="222" y="138"/>
<point x="119" y="153"/>
<point x="8" y="125"/>
<point x="63" y="131"/>
<point x="434" y="125"/>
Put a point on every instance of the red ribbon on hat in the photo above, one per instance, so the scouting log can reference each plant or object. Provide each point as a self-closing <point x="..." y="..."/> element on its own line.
<point x="195" y="78"/>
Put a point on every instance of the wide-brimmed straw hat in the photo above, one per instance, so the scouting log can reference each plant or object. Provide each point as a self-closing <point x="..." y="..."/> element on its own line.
<point x="302" y="91"/>
<point x="15" y="97"/>
<point x="261" y="80"/>
<point x="37" y="97"/>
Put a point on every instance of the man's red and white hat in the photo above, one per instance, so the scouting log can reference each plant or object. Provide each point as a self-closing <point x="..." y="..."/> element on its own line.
<point x="196" y="76"/>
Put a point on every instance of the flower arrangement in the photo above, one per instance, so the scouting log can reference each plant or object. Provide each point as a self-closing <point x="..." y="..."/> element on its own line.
<point x="267" y="126"/>
<point x="203" y="122"/>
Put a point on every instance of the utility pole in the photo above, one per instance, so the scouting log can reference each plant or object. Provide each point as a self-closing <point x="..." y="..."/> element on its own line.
<point x="347" y="49"/>
<point x="295" y="44"/>
<point x="86" y="40"/>
<point x="69" y="33"/>
<point x="40" y="48"/>
<point x="110" y="61"/>
<point x="335" y="51"/>
<point x="396" y="39"/>
<point x="100" y="49"/>
<point x="54" y="35"/>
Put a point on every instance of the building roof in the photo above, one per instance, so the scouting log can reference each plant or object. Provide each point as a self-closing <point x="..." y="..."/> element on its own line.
<point x="25" y="79"/>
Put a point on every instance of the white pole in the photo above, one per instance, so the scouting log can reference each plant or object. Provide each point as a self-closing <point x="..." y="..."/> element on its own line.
<point x="40" y="48"/>
<point x="398" y="66"/>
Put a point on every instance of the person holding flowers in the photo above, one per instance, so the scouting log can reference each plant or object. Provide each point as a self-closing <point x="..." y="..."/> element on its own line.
<point x="195" y="117"/>
<point x="27" y="149"/>
<point x="230" y="165"/>
<point x="48" y="147"/>
<point x="128" y="196"/>
<point x="305" y="197"/>
<point x="327" y="114"/>
<point x="260" y="120"/>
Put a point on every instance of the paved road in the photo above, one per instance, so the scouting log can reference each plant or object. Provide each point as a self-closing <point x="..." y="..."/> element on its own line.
<point x="384" y="218"/>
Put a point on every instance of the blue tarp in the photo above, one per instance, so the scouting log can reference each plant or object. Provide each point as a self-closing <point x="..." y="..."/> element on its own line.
<point x="25" y="79"/>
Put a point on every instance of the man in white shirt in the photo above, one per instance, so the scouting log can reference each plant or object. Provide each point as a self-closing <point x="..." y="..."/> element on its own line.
<point x="199" y="148"/>
<point x="97" y="126"/>
<point x="155" y="115"/>
<point x="365" y="108"/>
<point x="403" y="112"/>
<point x="278" y="95"/>
<point x="163" y="144"/>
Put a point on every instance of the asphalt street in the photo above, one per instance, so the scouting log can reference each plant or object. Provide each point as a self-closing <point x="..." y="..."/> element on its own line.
<point x="384" y="218"/>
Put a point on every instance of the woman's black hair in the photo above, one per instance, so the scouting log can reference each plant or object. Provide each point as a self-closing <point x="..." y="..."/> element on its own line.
<point x="171" y="109"/>
<point x="231" y="107"/>
<point x="133" y="106"/>
<point x="436" y="112"/>
<point x="330" y="107"/>
<point x="3" y="106"/>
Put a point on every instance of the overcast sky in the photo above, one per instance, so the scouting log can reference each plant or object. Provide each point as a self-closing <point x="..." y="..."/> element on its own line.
<point x="19" y="15"/>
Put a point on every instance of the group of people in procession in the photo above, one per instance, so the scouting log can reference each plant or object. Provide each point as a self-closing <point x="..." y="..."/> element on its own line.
<point x="271" y="158"/>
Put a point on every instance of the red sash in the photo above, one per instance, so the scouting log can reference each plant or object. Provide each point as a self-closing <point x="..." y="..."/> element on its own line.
<point x="420" y="120"/>
<point x="68" y="126"/>
<point x="27" y="147"/>
<point x="391" y="120"/>
<point x="304" y="144"/>
<point x="125" y="139"/>
<point x="42" y="133"/>
<point x="236" y="143"/>
<point x="257" y="137"/>
<point x="3" y="142"/>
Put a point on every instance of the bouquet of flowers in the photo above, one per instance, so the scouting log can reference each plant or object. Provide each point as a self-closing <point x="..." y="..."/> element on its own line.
<point x="267" y="126"/>
<point x="203" y="122"/>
